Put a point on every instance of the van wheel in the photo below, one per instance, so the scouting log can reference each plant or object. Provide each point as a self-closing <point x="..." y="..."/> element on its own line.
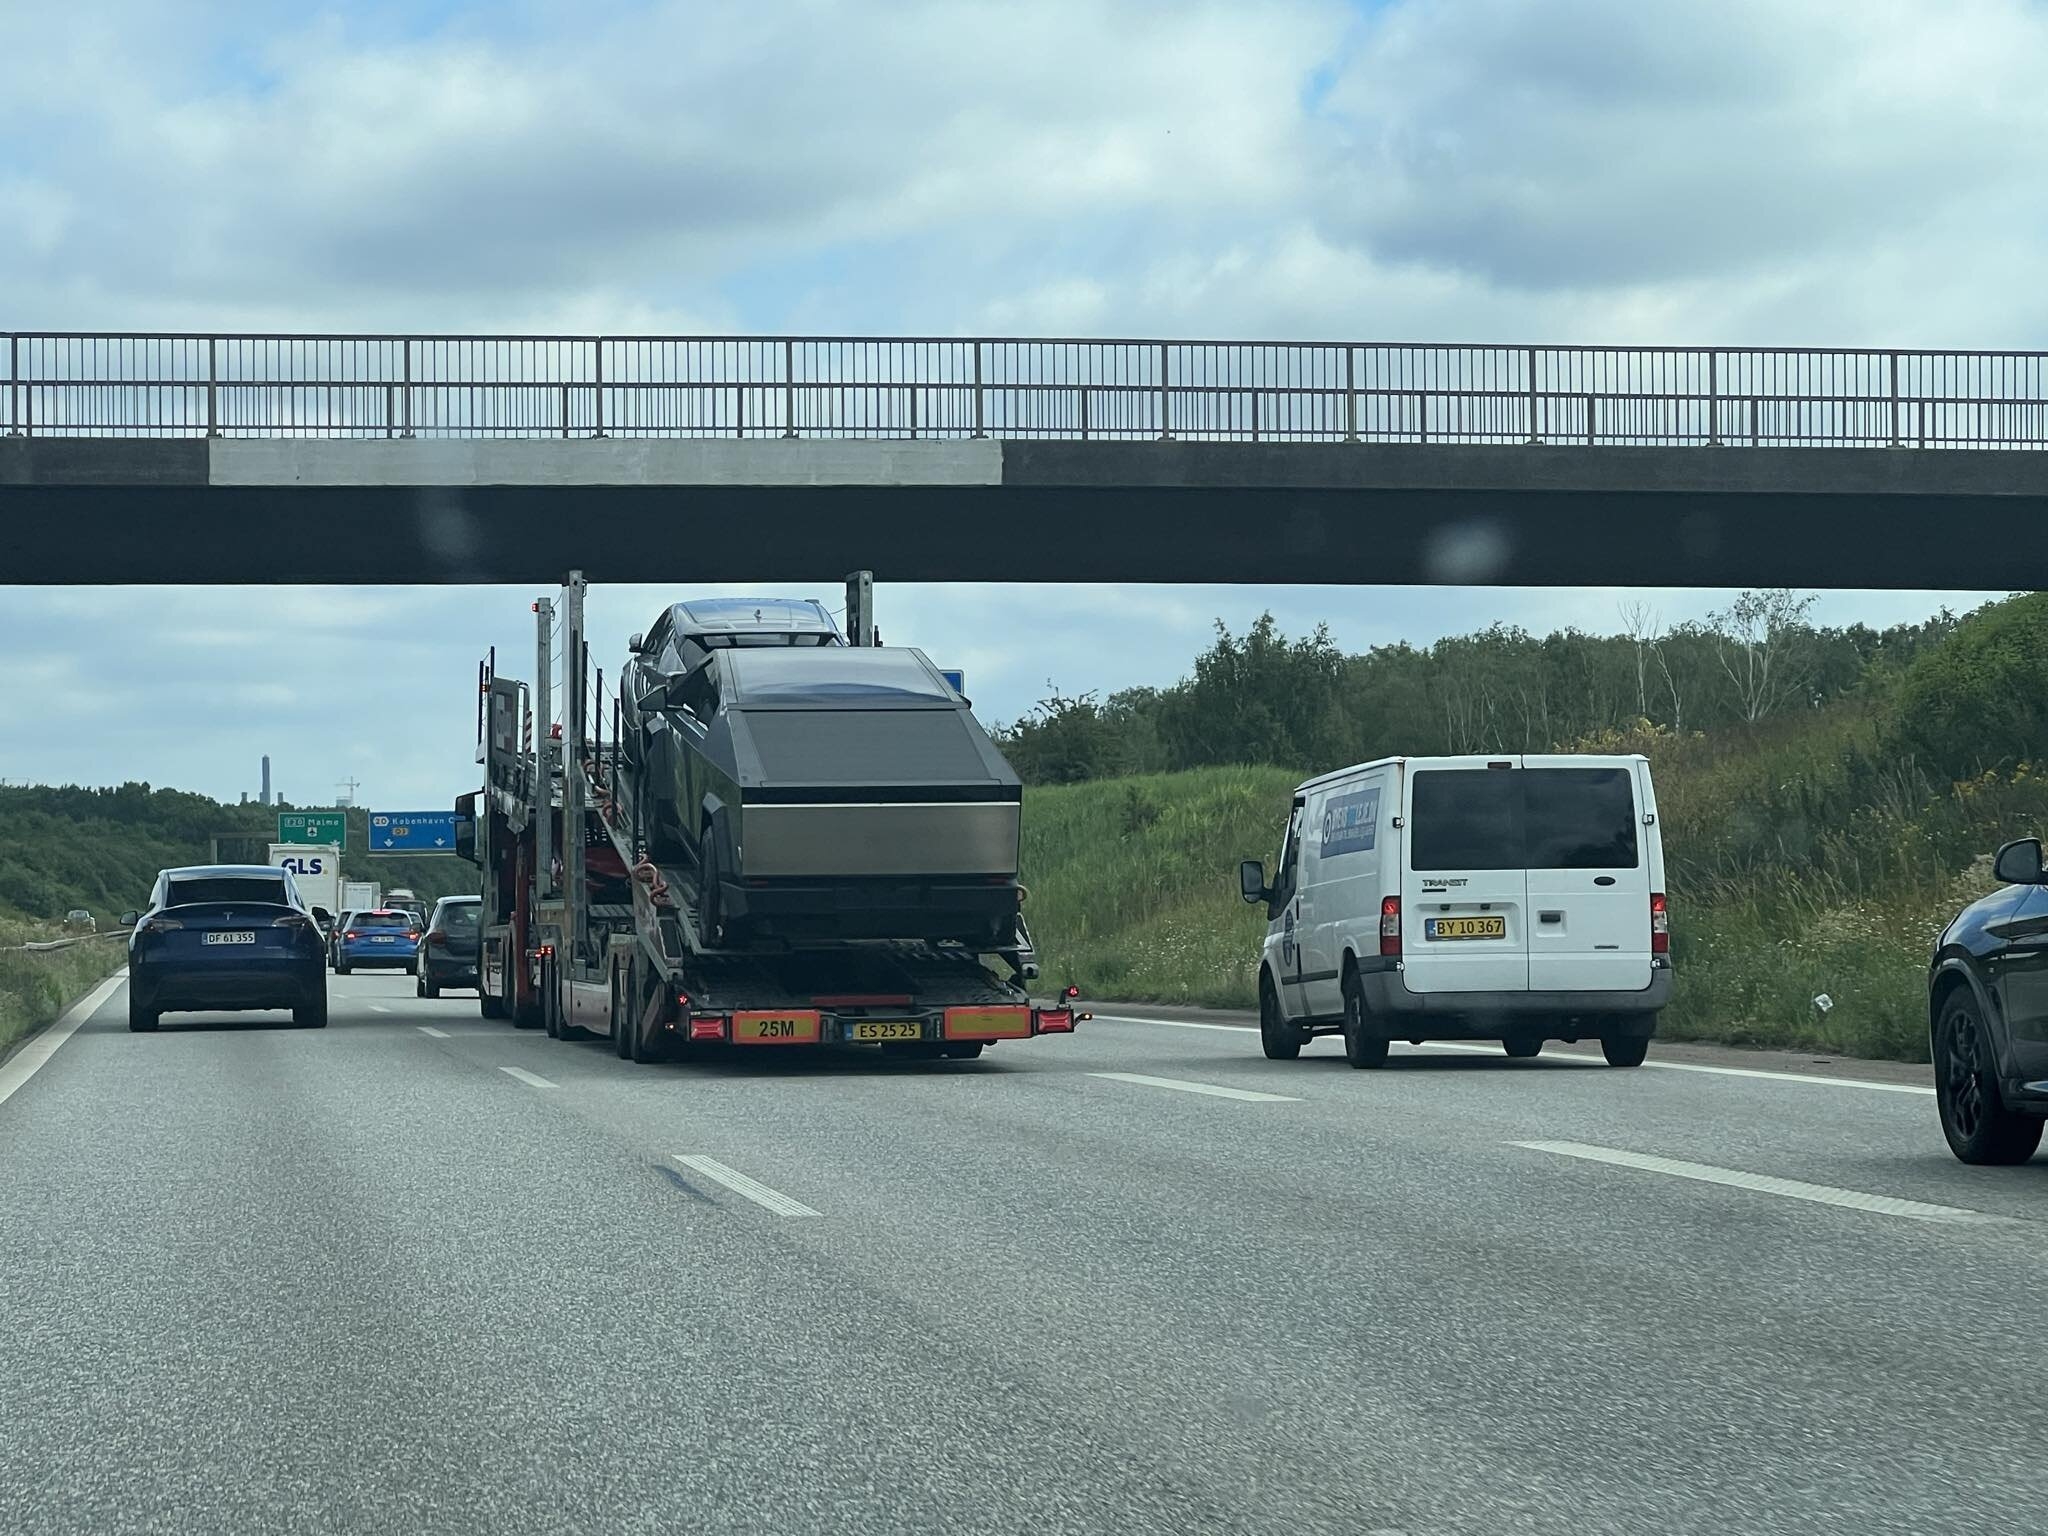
<point x="1625" y="1050"/>
<point x="1361" y="1048"/>
<point x="1282" y="1041"/>
<point x="1523" y="1047"/>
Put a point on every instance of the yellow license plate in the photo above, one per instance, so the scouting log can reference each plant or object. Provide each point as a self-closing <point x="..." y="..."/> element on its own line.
<point x="1466" y="928"/>
<point x="887" y="1029"/>
<point x="799" y="1028"/>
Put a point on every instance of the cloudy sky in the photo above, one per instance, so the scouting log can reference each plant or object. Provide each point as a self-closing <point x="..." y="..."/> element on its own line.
<point x="1789" y="172"/>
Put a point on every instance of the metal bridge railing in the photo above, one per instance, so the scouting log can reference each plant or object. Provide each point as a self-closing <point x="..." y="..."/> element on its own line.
<point x="77" y="384"/>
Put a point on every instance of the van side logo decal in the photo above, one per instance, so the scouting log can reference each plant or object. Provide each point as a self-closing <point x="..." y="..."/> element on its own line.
<point x="1351" y="823"/>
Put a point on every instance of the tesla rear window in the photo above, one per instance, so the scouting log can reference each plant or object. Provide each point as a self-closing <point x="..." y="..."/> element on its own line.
<point x="185" y="893"/>
<point x="1526" y="818"/>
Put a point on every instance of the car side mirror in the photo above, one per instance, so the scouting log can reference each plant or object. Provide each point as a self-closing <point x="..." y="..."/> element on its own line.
<point x="130" y="919"/>
<point x="2019" y="862"/>
<point x="323" y="914"/>
<point x="1251" y="881"/>
<point x="636" y="643"/>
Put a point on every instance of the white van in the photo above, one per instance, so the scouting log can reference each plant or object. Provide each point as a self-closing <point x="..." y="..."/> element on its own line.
<point x="1517" y="898"/>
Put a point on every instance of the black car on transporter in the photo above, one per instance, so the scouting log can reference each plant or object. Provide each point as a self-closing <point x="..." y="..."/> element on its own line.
<point x="818" y="790"/>
<point x="1987" y="1013"/>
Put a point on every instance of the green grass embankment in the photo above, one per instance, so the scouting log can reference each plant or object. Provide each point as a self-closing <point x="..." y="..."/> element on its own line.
<point x="37" y="986"/>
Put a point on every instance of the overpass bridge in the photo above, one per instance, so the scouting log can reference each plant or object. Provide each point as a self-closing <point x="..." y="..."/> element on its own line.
<point x="193" y="458"/>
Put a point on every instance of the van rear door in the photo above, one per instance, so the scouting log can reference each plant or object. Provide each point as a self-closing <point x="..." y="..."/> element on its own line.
<point x="1589" y="874"/>
<point x="1464" y="891"/>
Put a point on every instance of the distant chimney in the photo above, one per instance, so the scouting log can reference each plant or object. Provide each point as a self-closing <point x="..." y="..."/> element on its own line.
<point x="245" y="797"/>
<point x="266" y="778"/>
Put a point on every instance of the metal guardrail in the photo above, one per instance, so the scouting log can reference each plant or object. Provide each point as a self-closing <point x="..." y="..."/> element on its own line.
<point x="44" y="946"/>
<point x="81" y="384"/>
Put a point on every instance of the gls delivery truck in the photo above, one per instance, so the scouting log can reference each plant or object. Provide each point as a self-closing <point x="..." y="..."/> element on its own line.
<point x="1517" y="898"/>
<point x="315" y="869"/>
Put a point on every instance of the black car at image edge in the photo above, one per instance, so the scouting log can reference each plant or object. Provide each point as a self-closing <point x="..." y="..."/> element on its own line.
<point x="1987" y="1015"/>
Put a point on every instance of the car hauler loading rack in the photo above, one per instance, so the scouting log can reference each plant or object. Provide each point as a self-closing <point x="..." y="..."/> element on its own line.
<point x="584" y="934"/>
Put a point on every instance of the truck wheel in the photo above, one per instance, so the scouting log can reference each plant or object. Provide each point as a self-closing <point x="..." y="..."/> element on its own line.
<point x="1361" y="1048"/>
<point x="1628" y="1050"/>
<point x="340" y="967"/>
<point x="1523" y="1047"/>
<point x="140" y="1019"/>
<point x="1974" y="1117"/>
<point x="625" y="993"/>
<point x="645" y="1045"/>
<point x="964" y="1050"/>
<point x="1280" y="1039"/>
<point x="488" y="1006"/>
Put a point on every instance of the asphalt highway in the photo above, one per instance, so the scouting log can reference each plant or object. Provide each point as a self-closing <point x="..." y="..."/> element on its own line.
<point x="423" y="1272"/>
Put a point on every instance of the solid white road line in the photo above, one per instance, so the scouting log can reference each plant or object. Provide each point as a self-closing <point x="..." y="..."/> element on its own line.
<point x="1211" y="1089"/>
<point x="428" y="1029"/>
<point x="1791" y="1189"/>
<point x="531" y="1079"/>
<point x="29" y="1060"/>
<point x="1119" y="1018"/>
<point x="1570" y="1055"/>
<point x="740" y="1184"/>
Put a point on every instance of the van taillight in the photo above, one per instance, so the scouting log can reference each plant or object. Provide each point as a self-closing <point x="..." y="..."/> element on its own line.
<point x="1390" y="925"/>
<point x="1660" y="924"/>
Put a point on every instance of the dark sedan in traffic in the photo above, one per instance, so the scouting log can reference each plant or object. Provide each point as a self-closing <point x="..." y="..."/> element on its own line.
<point x="448" y="949"/>
<point x="226" y="936"/>
<point x="1987" y="1015"/>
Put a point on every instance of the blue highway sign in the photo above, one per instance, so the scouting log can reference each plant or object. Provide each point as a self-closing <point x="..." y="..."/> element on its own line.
<point x="412" y="831"/>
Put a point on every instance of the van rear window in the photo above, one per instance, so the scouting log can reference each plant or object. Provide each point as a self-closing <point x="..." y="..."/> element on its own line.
<point x="1523" y="818"/>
